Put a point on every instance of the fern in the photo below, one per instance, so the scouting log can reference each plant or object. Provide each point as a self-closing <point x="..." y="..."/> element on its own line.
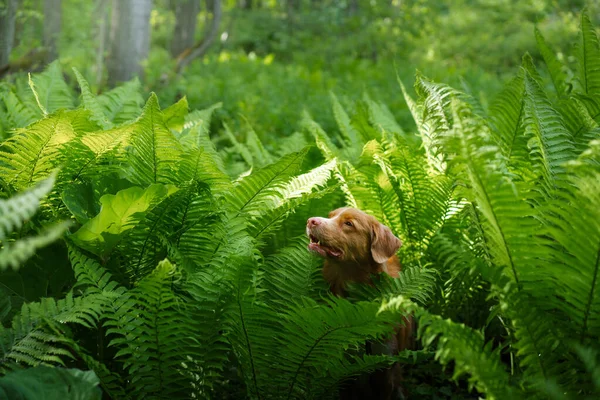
<point x="33" y="153"/>
<point x="57" y="384"/>
<point x="550" y="143"/>
<point x="589" y="57"/>
<point x="37" y="335"/>
<point x="122" y="104"/>
<point x="13" y="214"/>
<point x="149" y="341"/>
<point x="555" y="67"/>
<point x="50" y="89"/>
<point x="153" y="148"/>
<point x="91" y="103"/>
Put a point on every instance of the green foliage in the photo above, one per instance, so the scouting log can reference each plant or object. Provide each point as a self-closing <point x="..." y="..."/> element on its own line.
<point x="55" y="383"/>
<point x="188" y="274"/>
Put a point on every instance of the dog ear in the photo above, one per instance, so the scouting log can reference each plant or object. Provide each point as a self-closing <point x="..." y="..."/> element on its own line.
<point x="384" y="243"/>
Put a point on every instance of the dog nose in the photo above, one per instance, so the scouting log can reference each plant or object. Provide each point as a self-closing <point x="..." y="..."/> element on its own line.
<point x="313" y="221"/>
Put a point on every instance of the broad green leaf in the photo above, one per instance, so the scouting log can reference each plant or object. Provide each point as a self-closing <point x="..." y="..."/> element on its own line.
<point x="118" y="214"/>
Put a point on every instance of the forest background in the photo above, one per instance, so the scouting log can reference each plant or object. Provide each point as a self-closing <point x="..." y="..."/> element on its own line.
<point x="159" y="159"/>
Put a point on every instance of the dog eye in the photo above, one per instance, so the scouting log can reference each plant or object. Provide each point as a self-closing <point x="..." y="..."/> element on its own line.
<point x="348" y="223"/>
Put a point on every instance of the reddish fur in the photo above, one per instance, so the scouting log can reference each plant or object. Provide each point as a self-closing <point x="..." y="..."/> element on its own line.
<point x="367" y="248"/>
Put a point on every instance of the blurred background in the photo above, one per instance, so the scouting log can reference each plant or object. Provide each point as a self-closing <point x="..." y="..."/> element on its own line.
<point x="267" y="61"/>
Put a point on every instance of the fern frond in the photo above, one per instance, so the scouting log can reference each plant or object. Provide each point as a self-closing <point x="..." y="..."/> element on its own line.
<point x="317" y="333"/>
<point x="435" y="118"/>
<point x="175" y="115"/>
<point x="579" y="122"/>
<point x="34" y="152"/>
<point x="351" y="137"/>
<point x="156" y="341"/>
<point x="589" y="57"/>
<point x="123" y="103"/>
<point x="50" y="89"/>
<point x="153" y="150"/>
<point x="507" y="219"/>
<point x="555" y="67"/>
<point x="55" y="383"/>
<point x="21" y="207"/>
<point x="249" y="192"/>
<point x="196" y="128"/>
<point x="381" y="117"/>
<point x="18" y="115"/>
<point x="413" y="283"/>
<point x="292" y="272"/>
<point x="91" y="103"/>
<point x="324" y="143"/>
<point x="91" y="276"/>
<point x="464" y="347"/>
<point x="37" y="335"/>
<point x="285" y="198"/>
<point x="574" y="224"/>
<point x="550" y="142"/>
<point x="507" y="113"/>
<point x="14" y="254"/>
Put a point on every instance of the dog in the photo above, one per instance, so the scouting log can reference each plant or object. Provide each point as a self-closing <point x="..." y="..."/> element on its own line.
<point x="355" y="246"/>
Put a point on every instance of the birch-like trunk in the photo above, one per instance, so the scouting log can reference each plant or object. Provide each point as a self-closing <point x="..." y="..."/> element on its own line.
<point x="186" y="15"/>
<point x="8" y="13"/>
<point x="130" y="39"/>
<point x="52" y="28"/>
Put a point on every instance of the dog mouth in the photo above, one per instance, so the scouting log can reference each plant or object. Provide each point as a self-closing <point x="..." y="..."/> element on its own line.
<point x="316" y="245"/>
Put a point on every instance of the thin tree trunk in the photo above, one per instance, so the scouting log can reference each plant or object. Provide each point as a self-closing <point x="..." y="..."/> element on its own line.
<point x="186" y="13"/>
<point x="102" y="16"/>
<point x="52" y="27"/>
<point x="131" y="39"/>
<point x="8" y="13"/>
<point x="200" y="49"/>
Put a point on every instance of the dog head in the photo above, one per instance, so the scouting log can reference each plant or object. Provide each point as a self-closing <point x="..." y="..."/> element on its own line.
<point x="350" y="235"/>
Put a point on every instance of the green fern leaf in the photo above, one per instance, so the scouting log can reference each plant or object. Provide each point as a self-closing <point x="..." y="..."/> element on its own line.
<point x="154" y="335"/>
<point x="555" y="67"/>
<point x="197" y="128"/>
<point x="464" y="347"/>
<point x="285" y="198"/>
<point x="351" y="137"/>
<point x="153" y="149"/>
<point x="14" y="254"/>
<point x="18" y="115"/>
<point x="91" y="103"/>
<point x="507" y="113"/>
<point x="574" y="225"/>
<point x="174" y="116"/>
<point x="50" y="90"/>
<point x="550" y="142"/>
<point x="55" y="383"/>
<point x="33" y="153"/>
<point x="122" y="104"/>
<point x="589" y="57"/>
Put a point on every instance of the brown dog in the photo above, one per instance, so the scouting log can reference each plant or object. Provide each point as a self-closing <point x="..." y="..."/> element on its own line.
<point x="355" y="245"/>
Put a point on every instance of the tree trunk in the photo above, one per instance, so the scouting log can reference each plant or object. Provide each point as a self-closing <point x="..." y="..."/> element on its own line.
<point x="102" y="17"/>
<point x="201" y="47"/>
<point x="353" y="7"/>
<point x="8" y="12"/>
<point x="186" y="13"/>
<point x="130" y="39"/>
<point x="52" y="28"/>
